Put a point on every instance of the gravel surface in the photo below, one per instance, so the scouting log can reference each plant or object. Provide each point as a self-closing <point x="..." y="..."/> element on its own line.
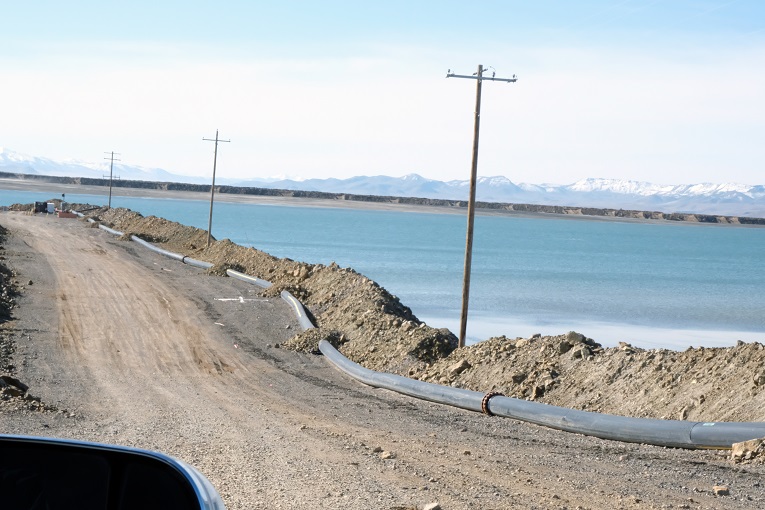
<point x="117" y="344"/>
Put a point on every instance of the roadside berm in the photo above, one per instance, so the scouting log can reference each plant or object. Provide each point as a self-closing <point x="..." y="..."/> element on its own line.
<point x="373" y="328"/>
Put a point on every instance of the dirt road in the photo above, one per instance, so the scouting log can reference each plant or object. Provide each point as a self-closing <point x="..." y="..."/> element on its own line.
<point x="135" y="349"/>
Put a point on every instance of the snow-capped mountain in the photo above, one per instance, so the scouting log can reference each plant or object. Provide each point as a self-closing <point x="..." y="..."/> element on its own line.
<point x="15" y="162"/>
<point x="702" y="198"/>
<point x="707" y="198"/>
<point x="722" y="199"/>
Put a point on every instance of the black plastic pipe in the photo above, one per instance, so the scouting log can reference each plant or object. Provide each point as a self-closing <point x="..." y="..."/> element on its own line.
<point x="673" y="433"/>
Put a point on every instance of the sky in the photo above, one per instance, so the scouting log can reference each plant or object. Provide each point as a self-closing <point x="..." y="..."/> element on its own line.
<point x="664" y="91"/>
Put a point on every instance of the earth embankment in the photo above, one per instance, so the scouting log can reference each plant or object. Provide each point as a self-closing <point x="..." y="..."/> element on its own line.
<point x="373" y="328"/>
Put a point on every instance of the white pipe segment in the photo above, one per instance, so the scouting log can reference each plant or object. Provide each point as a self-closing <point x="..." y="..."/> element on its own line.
<point x="176" y="256"/>
<point x="197" y="263"/>
<point x="247" y="278"/>
<point x="302" y="316"/>
<point x="146" y="244"/>
<point x="102" y="227"/>
<point x="111" y="231"/>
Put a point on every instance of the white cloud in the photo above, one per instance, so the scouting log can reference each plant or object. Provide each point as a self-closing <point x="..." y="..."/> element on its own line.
<point x="574" y="113"/>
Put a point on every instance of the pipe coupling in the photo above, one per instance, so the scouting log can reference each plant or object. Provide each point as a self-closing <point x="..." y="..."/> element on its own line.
<point x="485" y="402"/>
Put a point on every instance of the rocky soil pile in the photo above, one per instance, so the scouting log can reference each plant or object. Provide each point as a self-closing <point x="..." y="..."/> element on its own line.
<point x="7" y="283"/>
<point x="8" y="289"/>
<point x="371" y="327"/>
<point x="14" y="393"/>
<point x="703" y="384"/>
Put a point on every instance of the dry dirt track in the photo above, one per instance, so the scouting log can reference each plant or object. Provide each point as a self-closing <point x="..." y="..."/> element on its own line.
<point x="140" y="350"/>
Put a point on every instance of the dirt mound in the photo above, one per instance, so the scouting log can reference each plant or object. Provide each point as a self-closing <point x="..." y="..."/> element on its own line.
<point x="369" y="324"/>
<point x="719" y="384"/>
<point x="373" y="328"/>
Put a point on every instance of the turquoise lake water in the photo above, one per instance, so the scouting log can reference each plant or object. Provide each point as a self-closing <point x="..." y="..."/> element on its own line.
<point x="650" y="284"/>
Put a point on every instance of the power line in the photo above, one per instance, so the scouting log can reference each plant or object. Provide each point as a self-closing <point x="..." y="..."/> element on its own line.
<point x="479" y="77"/>
<point x="212" y="188"/>
<point x="111" y="172"/>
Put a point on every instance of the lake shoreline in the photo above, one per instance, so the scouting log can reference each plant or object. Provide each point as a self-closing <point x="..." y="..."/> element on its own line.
<point x="482" y="326"/>
<point x="363" y="202"/>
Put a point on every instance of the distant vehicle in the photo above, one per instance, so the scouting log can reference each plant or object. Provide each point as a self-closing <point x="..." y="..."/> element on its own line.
<point x="62" y="474"/>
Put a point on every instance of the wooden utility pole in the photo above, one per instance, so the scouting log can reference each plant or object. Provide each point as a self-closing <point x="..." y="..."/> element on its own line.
<point x="479" y="77"/>
<point x="212" y="188"/>
<point x="111" y="173"/>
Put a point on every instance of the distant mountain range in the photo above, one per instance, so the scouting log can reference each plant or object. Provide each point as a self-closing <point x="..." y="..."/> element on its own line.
<point x="715" y="199"/>
<point x="21" y="163"/>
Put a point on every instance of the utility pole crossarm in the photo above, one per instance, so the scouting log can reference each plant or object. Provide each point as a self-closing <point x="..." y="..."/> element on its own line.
<point x="475" y="77"/>
<point x="214" y="140"/>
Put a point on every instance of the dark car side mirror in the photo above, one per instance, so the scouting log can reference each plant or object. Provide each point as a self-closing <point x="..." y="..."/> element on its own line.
<point x="59" y="474"/>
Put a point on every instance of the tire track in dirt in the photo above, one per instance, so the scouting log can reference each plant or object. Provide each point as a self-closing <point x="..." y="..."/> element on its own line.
<point x="117" y="325"/>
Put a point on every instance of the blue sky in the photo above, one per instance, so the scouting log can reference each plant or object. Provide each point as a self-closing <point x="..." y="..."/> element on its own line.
<point x="657" y="90"/>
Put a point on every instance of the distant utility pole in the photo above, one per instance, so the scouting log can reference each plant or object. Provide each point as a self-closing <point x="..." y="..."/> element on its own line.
<point x="212" y="188"/>
<point x="111" y="172"/>
<point x="479" y="77"/>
